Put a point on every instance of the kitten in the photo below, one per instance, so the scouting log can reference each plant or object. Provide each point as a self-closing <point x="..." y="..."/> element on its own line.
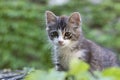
<point x="65" y="33"/>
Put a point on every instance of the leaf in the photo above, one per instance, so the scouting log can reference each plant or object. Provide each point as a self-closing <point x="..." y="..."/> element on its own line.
<point x="113" y="72"/>
<point x="78" y="66"/>
<point x="36" y="75"/>
<point x="46" y="75"/>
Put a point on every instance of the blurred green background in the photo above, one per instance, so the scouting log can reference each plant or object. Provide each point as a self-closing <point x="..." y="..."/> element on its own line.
<point x="23" y="39"/>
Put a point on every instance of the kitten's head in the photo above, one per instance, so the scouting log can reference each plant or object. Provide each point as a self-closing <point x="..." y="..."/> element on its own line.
<point x="63" y="30"/>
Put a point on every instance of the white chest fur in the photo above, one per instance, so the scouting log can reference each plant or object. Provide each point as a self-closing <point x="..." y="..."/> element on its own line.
<point x="63" y="56"/>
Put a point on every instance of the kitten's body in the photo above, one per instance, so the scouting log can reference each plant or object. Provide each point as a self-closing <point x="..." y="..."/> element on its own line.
<point x="66" y="35"/>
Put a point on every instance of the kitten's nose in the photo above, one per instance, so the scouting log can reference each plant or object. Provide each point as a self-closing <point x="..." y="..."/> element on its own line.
<point x="60" y="42"/>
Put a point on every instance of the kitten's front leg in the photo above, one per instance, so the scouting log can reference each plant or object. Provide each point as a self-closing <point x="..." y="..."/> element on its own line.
<point x="56" y="62"/>
<point x="58" y="65"/>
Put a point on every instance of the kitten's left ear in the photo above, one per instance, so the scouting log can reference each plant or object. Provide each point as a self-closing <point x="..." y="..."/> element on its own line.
<point x="75" y="18"/>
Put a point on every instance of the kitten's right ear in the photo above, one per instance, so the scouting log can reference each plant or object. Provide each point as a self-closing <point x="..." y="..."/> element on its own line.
<point x="50" y="17"/>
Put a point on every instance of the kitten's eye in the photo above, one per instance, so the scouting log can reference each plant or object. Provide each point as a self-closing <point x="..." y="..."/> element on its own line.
<point x="68" y="35"/>
<point x="54" y="34"/>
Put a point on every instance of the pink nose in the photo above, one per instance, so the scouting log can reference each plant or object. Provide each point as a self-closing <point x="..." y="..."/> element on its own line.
<point x="60" y="42"/>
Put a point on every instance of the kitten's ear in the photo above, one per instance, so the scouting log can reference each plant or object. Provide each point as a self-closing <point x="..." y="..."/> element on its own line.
<point x="50" y="17"/>
<point x="75" y="18"/>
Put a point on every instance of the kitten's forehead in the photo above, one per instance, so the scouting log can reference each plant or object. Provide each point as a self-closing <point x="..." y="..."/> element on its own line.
<point x="61" y="23"/>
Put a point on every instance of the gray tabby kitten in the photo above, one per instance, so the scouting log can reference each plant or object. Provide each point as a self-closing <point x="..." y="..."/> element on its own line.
<point x="65" y="33"/>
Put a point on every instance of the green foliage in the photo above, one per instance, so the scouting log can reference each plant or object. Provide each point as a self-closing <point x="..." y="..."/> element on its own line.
<point x="45" y="75"/>
<point x="75" y="67"/>
<point x="22" y="35"/>
<point x="112" y="72"/>
<point x="78" y="71"/>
